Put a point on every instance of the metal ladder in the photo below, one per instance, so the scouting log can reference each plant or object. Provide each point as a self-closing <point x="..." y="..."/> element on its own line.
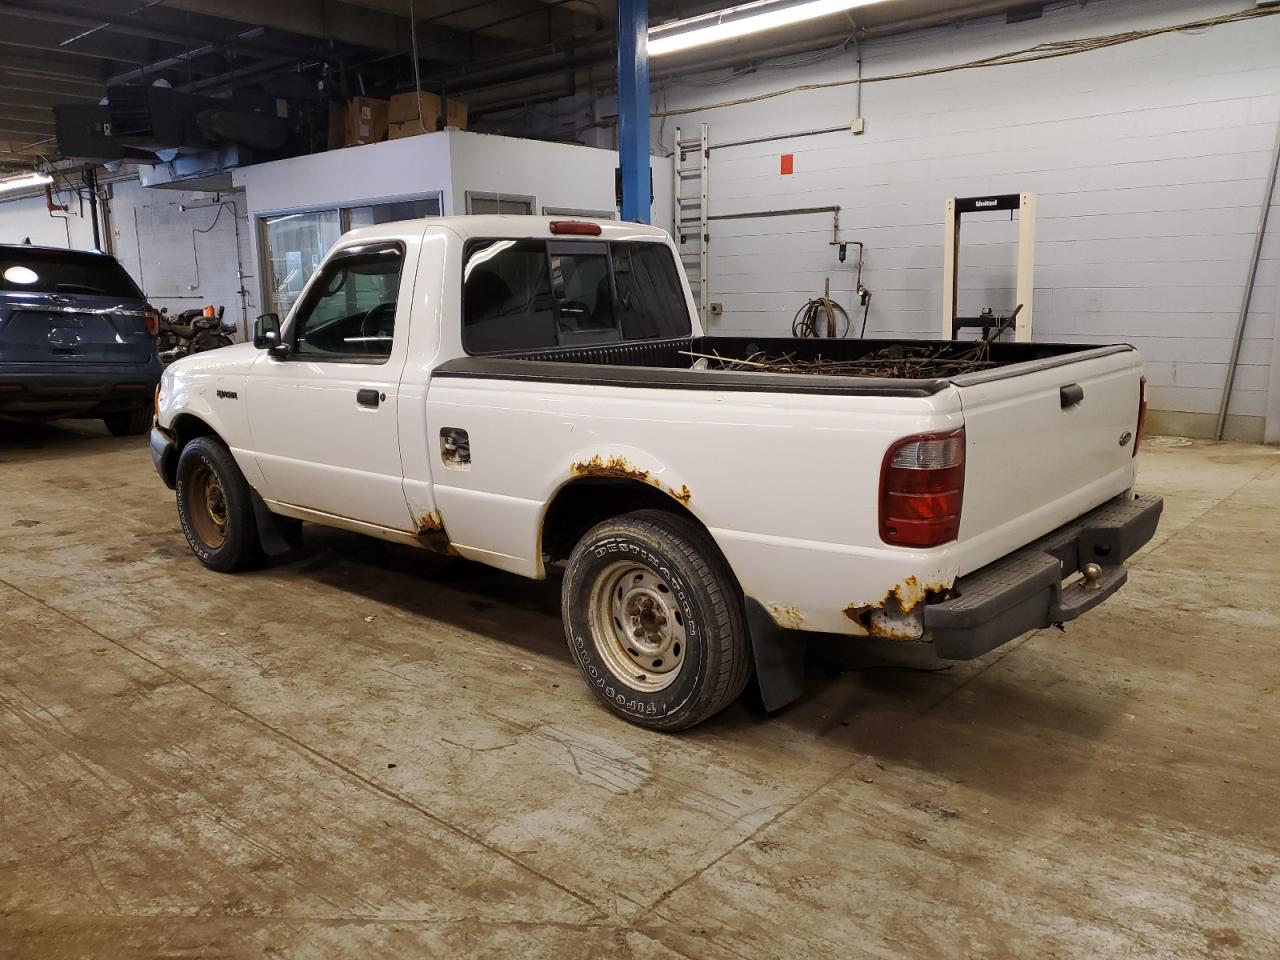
<point x="689" y="213"/>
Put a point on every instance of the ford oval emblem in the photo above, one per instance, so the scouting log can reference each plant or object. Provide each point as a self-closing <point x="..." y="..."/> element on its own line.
<point x="1125" y="438"/>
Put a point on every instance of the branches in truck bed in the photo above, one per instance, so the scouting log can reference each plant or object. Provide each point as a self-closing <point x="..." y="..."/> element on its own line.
<point x="897" y="361"/>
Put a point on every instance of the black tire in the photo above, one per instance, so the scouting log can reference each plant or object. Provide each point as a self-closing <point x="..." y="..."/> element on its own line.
<point x="211" y="488"/>
<point x="695" y="611"/>
<point x="209" y="341"/>
<point x="129" y="423"/>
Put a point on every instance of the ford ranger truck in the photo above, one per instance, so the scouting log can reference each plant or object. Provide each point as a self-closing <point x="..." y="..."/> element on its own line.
<point x="531" y="393"/>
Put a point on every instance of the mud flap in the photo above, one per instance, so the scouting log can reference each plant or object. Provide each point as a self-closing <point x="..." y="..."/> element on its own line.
<point x="778" y="655"/>
<point x="278" y="536"/>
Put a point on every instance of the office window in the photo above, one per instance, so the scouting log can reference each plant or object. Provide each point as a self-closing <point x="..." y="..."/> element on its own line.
<point x="393" y="210"/>
<point x="478" y="202"/>
<point x="293" y="245"/>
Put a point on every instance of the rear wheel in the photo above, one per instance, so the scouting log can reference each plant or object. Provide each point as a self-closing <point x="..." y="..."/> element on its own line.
<point x="129" y="423"/>
<point x="654" y="619"/>
<point x="215" y="507"/>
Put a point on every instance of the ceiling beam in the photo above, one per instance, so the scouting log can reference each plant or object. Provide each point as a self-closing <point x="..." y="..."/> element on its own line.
<point x="23" y="111"/>
<point x="323" y="19"/>
<point x="181" y="61"/>
<point x="15" y="100"/>
<point x="524" y="22"/>
<point x="8" y="119"/>
<point x="63" y="71"/>
<point x="71" y="17"/>
<point x="26" y="34"/>
<point x="19" y="83"/>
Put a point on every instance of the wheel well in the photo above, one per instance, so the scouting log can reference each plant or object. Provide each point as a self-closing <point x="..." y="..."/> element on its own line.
<point x="581" y="504"/>
<point x="187" y="427"/>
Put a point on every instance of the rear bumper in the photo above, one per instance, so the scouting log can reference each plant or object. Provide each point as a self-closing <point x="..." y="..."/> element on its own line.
<point x="1023" y="591"/>
<point x="53" y="389"/>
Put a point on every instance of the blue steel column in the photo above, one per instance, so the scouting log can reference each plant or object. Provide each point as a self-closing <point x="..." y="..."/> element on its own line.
<point x="633" y="108"/>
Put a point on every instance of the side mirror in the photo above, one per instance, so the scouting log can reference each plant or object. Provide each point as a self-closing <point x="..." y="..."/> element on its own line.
<point x="266" y="335"/>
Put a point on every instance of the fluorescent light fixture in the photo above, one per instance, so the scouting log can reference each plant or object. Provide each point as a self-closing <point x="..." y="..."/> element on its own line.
<point x="741" y="21"/>
<point x="23" y="181"/>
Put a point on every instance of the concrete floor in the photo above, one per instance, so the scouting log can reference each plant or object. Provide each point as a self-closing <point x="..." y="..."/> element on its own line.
<point x="342" y="757"/>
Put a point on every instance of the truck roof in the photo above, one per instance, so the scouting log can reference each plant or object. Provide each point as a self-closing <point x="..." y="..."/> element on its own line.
<point x="513" y="226"/>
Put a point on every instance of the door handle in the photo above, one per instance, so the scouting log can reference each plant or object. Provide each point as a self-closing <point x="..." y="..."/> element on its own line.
<point x="1071" y="394"/>
<point x="368" y="398"/>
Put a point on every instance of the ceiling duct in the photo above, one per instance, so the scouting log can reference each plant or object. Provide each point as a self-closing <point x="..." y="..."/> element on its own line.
<point x="163" y="119"/>
<point x="84" y="133"/>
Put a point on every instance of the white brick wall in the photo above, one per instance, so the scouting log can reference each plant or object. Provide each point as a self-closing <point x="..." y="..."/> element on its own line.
<point x="173" y="272"/>
<point x="29" y="218"/>
<point x="1149" y="161"/>
<point x="167" y="268"/>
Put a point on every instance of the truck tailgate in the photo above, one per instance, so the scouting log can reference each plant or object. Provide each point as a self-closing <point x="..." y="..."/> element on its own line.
<point x="1046" y="441"/>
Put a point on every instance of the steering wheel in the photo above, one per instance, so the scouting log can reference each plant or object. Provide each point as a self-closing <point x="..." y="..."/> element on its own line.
<point x="378" y="322"/>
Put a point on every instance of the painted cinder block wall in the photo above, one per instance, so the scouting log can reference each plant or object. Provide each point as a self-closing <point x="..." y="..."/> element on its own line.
<point x="1148" y="159"/>
<point x="180" y="269"/>
<point x="150" y="232"/>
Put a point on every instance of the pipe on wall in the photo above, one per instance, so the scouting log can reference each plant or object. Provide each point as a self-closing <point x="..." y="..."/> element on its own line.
<point x="1247" y="298"/>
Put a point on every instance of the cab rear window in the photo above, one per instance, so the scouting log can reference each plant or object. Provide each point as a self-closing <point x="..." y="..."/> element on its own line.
<point x="537" y="294"/>
<point x="64" y="271"/>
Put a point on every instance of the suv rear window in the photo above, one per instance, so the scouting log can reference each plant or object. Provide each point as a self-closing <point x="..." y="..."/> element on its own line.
<point x="537" y="294"/>
<point x="64" y="271"/>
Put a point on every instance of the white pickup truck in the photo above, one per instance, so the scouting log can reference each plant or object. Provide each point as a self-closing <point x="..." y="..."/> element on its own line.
<point x="526" y="392"/>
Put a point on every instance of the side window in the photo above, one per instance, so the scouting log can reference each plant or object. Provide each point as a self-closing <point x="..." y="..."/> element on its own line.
<point x="351" y="310"/>
<point x="534" y="294"/>
<point x="651" y="302"/>
<point x="506" y="297"/>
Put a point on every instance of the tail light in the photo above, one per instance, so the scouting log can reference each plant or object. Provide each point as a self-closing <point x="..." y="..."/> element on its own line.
<point x="579" y="228"/>
<point x="1142" y="414"/>
<point x="921" y="489"/>
<point x="153" y="320"/>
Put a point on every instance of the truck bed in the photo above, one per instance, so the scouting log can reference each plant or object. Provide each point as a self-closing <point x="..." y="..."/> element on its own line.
<point x="638" y="364"/>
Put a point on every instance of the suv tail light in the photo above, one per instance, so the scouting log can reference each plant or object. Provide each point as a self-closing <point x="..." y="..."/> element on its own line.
<point x="153" y="320"/>
<point x="1142" y="414"/>
<point x="921" y="489"/>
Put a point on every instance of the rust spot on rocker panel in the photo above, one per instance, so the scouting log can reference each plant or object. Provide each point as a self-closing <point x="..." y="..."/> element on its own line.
<point x="622" y="468"/>
<point x="890" y="617"/>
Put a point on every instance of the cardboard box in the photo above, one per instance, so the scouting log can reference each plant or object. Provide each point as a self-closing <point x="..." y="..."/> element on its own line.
<point x="410" y="128"/>
<point x="366" y="120"/>
<point x="337" y="125"/>
<point x="456" y="114"/>
<point x="404" y="109"/>
<point x="435" y="115"/>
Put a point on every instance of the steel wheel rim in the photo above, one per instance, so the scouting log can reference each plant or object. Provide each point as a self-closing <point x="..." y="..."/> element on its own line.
<point x="208" y="510"/>
<point x="638" y="627"/>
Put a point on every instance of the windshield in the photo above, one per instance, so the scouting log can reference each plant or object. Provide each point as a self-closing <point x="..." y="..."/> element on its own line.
<point x="64" y="271"/>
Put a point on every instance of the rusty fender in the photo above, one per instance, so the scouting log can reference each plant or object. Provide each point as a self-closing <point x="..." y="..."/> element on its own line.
<point x="787" y="617"/>
<point x="622" y="468"/>
<point x="897" y="615"/>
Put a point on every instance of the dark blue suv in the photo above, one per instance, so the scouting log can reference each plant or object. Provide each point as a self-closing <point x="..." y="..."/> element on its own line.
<point x="77" y="339"/>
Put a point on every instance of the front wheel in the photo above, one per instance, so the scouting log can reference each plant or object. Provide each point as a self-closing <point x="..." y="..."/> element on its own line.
<point x="215" y="507"/>
<point x="654" y="619"/>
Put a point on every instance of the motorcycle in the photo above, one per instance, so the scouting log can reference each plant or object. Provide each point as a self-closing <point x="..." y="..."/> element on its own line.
<point x="192" y="331"/>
